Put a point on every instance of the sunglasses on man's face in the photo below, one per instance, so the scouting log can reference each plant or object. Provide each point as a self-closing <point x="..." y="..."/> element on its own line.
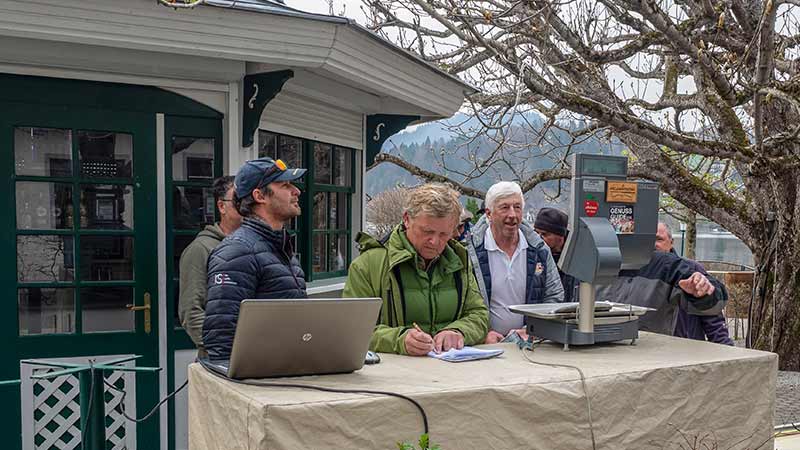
<point x="278" y="166"/>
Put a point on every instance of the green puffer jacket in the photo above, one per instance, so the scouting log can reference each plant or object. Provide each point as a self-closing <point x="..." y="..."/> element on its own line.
<point x="428" y="299"/>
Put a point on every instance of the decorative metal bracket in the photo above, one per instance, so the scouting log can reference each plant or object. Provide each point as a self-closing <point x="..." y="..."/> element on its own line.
<point x="259" y="89"/>
<point x="382" y="126"/>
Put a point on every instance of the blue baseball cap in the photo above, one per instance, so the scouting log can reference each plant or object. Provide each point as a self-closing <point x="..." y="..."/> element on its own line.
<point x="261" y="172"/>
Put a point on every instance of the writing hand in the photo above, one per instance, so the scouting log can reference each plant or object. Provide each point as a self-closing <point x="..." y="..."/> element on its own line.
<point x="418" y="342"/>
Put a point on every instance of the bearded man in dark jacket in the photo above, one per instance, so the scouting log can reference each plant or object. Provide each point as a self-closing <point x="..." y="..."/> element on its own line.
<point x="257" y="260"/>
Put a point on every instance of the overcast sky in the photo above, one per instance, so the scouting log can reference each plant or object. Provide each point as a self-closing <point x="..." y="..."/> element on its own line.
<point x="351" y="7"/>
<point x="623" y="85"/>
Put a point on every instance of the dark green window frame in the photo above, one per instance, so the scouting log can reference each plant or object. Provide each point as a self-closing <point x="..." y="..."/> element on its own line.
<point x="181" y="233"/>
<point x="76" y="231"/>
<point x="314" y="236"/>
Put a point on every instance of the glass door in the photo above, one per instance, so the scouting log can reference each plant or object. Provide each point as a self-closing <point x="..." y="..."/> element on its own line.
<point x="193" y="160"/>
<point x="80" y="269"/>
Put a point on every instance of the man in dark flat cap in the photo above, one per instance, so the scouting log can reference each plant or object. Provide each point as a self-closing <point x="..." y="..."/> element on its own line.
<point x="551" y="224"/>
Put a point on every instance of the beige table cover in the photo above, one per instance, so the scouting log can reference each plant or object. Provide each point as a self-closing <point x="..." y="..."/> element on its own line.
<point x="658" y="394"/>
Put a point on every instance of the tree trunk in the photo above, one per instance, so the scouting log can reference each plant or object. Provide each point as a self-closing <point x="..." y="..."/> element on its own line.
<point x="690" y="244"/>
<point x="775" y="318"/>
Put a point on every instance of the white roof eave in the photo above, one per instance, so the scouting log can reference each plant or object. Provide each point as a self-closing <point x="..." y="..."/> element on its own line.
<point x="253" y="32"/>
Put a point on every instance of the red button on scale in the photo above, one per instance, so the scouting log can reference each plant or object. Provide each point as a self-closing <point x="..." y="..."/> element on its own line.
<point x="590" y="207"/>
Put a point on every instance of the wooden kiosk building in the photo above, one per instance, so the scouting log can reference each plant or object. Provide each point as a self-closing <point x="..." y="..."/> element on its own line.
<point x="115" y="116"/>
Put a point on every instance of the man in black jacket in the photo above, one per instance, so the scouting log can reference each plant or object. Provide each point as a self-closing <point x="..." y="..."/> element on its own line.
<point x="257" y="260"/>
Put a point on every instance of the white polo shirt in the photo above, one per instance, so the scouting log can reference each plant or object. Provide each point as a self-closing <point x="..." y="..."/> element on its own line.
<point x="508" y="283"/>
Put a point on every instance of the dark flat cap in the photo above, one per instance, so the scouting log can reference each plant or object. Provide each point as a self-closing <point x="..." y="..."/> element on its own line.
<point x="552" y="220"/>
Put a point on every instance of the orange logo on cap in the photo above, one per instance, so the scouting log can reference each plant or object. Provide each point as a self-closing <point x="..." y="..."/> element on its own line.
<point x="281" y="165"/>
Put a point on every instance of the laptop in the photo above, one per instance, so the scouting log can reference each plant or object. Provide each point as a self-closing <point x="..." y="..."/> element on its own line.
<point x="292" y="337"/>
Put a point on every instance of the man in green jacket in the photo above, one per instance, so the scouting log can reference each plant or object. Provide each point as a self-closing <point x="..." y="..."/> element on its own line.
<point x="194" y="262"/>
<point x="431" y="301"/>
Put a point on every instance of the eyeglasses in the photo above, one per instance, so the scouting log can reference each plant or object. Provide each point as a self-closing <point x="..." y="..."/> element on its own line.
<point x="226" y="200"/>
<point x="279" y="165"/>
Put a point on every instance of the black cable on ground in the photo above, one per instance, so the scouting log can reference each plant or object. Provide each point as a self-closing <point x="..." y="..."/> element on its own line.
<point x="324" y="389"/>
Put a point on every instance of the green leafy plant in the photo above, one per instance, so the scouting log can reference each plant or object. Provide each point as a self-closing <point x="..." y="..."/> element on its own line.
<point x="424" y="444"/>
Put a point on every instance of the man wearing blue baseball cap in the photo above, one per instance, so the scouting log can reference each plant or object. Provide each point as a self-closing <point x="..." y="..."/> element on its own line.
<point x="257" y="260"/>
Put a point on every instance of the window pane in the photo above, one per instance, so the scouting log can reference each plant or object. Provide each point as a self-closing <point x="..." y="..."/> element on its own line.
<point x="105" y="154"/>
<point x="319" y="257"/>
<point x="338" y="255"/>
<point x="104" y="309"/>
<point x="295" y="246"/>
<point x="45" y="258"/>
<point x="107" y="206"/>
<point x="290" y="150"/>
<point x="337" y="210"/>
<point x="322" y="163"/>
<point x="192" y="159"/>
<point x="293" y="224"/>
<point x="192" y="207"/>
<point x="341" y="211"/>
<point x="46" y="310"/>
<point x="43" y="206"/>
<point x="43" y="152"/>
<point x="106" y="258"/>
<point x="180" y="242"/>
<point x="342" y="167"/>
<point x="267" y="144"/>
<point x="320" y="218"/>
<point x="333" y="207"/>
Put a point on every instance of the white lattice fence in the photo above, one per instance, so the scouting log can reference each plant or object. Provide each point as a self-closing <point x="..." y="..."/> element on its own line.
<point x="51" y="409"/>
<point x="56" y="412"/>
<point x="115" y="421"/>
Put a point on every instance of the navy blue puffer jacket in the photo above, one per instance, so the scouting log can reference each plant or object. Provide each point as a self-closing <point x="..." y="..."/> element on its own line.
<point x="254" y="261"/>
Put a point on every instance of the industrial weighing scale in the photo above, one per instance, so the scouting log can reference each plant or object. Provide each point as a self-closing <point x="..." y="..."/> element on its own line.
<point x="612" y="227"/>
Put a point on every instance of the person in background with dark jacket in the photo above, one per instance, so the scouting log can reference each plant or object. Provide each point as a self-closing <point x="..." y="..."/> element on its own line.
<point x="257" y="260"/>
<point x="551" y="224"/>
<point x="512" y="264"/>
<point x="194" y="260"/>
<point x="700" y="327"/>
<point x="664" y="240"/>
<point x="687" y="300"/>
<point x="462" y="230"/>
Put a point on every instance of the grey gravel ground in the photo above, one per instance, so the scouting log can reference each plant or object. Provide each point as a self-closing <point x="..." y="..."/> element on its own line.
<point x="787" y="392"/>
<point x="787" y="396"/>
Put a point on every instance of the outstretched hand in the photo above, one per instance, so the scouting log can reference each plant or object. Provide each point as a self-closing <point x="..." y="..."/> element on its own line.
<point x="697" y="285"/>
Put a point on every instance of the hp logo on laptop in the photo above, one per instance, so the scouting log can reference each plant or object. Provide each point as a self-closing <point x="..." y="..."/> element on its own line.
<point x="306" y="337"/>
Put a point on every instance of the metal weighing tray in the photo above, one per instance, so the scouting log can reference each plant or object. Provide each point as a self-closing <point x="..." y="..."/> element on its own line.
<point x="620" y="322"/>
<point x="548" y="310"/>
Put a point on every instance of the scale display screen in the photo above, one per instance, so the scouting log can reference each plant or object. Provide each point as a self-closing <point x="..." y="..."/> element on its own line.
<point x="604" y="166"/>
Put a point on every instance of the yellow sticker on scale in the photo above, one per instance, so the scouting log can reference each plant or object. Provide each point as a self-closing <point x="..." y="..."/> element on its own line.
<point x="621" y="191"/>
